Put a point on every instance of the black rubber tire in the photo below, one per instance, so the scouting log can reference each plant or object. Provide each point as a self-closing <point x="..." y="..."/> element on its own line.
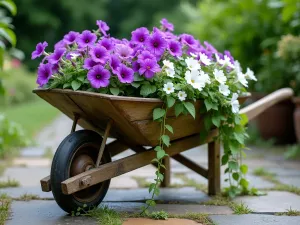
<point x="61" y="164"/>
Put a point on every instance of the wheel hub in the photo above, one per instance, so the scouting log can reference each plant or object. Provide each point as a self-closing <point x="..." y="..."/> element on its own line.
<point x="81" y="164"/>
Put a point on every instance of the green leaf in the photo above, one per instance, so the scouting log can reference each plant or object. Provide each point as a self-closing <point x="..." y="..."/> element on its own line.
<point x="158" y="148"/>
<point x="115" y="91"/>
<point x="158" y="113"/>
<point x="66" y="85"/>
<point x="166" y="140"/>
<point x="136" y="85"/>
<point x="169" y="128"/>
<point x="81" y="78"/>
<point x="224" y="159"/>
<point x="159" y="175"/>
<point x="236" y="176"/>
<point x="147" y="89"/>
<point x="138" y="77"/>
<point x="239" y="137"/>
<point x="160" y="154"/>
<point x="216" y="120"/>
<point x="244" y="119"/>
<point x="244" y="183"/>
<point x="208" y="104"/>
<point x="178" y="109"/>
<point x="9" y="35"/>
<point x="190" y="108"/>
<point x="233" y="165"/>
<point x="10" y="5"/>
<point x="244" y="169"/>
<point x="150" y="202"/>
<point x="75" y="85"/>
<point x="151" y="187"/>
<point x="207" y="122"/>
<point x="170" y="101"/>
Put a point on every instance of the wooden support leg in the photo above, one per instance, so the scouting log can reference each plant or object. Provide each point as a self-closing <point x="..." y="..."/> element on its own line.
<point x="214" y="168"/>
<point x="167" y="172"/>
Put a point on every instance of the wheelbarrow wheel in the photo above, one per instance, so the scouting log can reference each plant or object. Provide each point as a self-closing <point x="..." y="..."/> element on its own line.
<point x="76" y="154"/>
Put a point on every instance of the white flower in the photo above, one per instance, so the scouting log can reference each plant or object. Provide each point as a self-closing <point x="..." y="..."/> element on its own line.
<point x="168" y="64"/>
<point x="242" y="79"/>
<point x="237" y="66"/>
<point x="182" y="95"/>
<point x="219" y="76"/>
<point x="192" y="64"/>
<point x="250" y="74"/>
<point x="204" y="77"/>
<point x="235" y="105"/>
<point x="193" y="78"/>
<point x="204" y="59"/>
<point x="193" y="55"/>
<point x="170" y="72"/>
<point x="74" y="55"/>
<point x="169" y="88"/>
<point x="224" y="90"/>
<point x="227" y="62"/>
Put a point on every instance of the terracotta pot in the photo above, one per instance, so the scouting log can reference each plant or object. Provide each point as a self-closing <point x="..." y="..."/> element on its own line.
<point x="277" y="122"/>
<point x="297" y="117"/>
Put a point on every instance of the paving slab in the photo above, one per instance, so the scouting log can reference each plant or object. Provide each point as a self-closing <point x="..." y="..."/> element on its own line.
<point x="255" y="219"/>
<point x="173" y="195"/>
<point x="26" y="176"/>
<point x="274" y="201"/>
<point x="19" y="191"/>
<point x="290" y="180"/>
<point x="43" y="212"/>
<point x="123" y="182"/>
<point x="141" y="221"/>
<point x="32" y="162"/>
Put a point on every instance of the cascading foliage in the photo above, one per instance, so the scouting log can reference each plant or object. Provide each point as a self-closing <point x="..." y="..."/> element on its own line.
<point x="159" y="64"/>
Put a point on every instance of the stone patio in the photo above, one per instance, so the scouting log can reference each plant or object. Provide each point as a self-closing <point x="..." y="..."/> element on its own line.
<point x="125" y="194"/>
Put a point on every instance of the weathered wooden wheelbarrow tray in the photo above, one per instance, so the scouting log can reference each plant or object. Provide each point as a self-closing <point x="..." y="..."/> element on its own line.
<point x="129" y="120"/>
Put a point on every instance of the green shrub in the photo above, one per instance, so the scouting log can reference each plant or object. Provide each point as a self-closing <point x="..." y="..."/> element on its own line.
<point x="11" y="136"/>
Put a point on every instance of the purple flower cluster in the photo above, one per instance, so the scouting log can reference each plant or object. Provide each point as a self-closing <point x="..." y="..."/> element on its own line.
<point x="103" y="56"/>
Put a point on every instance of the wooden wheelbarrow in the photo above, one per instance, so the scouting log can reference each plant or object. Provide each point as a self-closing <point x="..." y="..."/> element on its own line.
<point x="82" y="168"/>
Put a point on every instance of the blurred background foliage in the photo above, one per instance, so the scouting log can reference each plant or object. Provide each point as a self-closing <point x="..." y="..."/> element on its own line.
<point x="250" y="29"/>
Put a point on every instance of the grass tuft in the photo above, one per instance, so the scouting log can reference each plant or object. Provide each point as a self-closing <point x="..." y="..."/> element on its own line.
<point x="9" y="183"/>
<point x="142" y="181"/>
<point x="28" y="197"/>
<point x="289" y="212"/>
<point x="240" y="208"/>
<point x="104" y="215"/>
<point x="5" y="202"/>
<point x="191" y="183"/>
<point x="218" y="200"/>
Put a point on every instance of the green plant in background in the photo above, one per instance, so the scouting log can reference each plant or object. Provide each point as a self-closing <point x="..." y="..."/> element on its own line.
<point x="248" y="29"/>
<point x="6" y="32"/>
<point x="11" y="136"/>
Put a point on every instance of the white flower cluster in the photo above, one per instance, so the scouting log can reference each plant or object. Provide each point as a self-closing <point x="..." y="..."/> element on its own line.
<point x="198" y="79"/>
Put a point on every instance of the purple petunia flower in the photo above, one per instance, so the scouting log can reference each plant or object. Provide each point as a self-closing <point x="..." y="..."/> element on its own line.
<point x="39" y="50"/>
<point x="70" y="38"/>
<point x="175" y="48"/>
<point x="98" y="76"/>
<point x="156" y="44"/>
<point x="210" y="48"/>
<point x="56" y="55"/>
<point x="102" y="27"/>
<point x="135" y="66"/>
<point x="123" y="51"/>
<point x="107" y="43"/>
<point x="125" y="74"/>
<point x="89" y="63"/>
<point x="86" y="38"/>
<point x="140" y="35"/>
<point x="145" y="55"/>
<point x="188" y="40"/>
<point x="149" y="67"/>
<point x="166" y="25"/>
<point x="99" y="54"/>
<point x="44" y="74"/>
<point x="114" y="63"/>
<point x="60" y="44"/>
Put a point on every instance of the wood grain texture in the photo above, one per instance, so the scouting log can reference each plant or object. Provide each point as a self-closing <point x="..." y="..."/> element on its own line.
<point x="166" y="172"/>
<point x="214" y="168"/>
<point x="124" y="165"/>
<point x="45" y="184"/>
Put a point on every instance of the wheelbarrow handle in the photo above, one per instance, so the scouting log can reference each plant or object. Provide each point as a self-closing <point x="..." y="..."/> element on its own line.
<point x="263" y="104"/>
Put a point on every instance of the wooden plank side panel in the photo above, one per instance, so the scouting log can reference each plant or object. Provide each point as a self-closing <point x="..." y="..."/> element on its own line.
<point x="183" y="126"/>
<point x="100" y="111"/>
